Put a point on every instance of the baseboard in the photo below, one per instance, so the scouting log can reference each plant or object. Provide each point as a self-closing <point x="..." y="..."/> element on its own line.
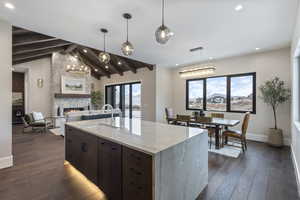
<point x="6" y="162"/>
<point x="296" y="168"/>
<point x="264" y="138"/>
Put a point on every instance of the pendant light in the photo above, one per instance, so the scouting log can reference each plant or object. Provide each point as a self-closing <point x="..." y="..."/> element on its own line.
<point x="163" y="33"/>
<point x="103" y="56"/>
<point x="127" y="47"/>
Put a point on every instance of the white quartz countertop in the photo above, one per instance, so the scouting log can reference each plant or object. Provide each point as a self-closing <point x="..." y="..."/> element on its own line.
<point x="145" y="136"/>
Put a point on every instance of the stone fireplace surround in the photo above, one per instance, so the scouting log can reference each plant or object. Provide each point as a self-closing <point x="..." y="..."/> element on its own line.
<point x="58" y="69"/>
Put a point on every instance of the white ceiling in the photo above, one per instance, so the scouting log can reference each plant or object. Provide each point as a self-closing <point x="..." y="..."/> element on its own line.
<point x="213" y="24"/>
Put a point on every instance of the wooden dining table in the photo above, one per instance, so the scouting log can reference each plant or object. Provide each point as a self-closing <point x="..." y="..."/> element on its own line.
<point x="217" y="123"/>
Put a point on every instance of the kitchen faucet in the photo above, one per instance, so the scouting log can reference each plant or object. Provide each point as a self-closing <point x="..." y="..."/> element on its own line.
<point x="111" y="109"/>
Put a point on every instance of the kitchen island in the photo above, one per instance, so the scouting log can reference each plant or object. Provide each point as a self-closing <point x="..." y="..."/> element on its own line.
<point x="132" y="159"/>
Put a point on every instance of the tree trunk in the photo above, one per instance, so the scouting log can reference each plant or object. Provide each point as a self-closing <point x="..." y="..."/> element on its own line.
<point x="275" y="117"/>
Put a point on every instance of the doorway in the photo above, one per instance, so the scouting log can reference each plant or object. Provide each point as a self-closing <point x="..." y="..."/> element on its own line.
<point x="18" y="97"/>
<point x="126" y="97"/>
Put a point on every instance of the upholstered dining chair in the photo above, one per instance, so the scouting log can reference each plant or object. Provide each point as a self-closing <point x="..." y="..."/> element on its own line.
<point x="217" y="115"/>
<point x="210" y="129"/>
<point x="183" y="120"/>
<point x="169" y="115"/>
<point x="236" y="134"/>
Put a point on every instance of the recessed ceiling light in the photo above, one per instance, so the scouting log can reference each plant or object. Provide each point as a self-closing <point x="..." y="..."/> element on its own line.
<point x="96" y="70"/>
<point x="9" y="5"/>
<point x="119" y="63"/>
<point x="239" y="7"/>
<point x="106" y="67"/>
<point x="84" y="50"/>
<point x="257" y="48"/>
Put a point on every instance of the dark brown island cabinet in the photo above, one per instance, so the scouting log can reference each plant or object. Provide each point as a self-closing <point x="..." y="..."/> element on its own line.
<point x="153" y="162"/>
<point x="120" y="172"/>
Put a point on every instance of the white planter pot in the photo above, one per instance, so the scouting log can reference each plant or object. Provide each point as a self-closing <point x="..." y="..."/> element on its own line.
<point x="275" y="137"/>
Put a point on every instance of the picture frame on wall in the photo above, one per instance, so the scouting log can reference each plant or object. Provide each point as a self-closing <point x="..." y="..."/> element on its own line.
<point x="71" y="85"/>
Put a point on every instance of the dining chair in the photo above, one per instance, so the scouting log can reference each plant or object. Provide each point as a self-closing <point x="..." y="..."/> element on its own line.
<point x="210" y="130"/>
<point x="183" y="120"/>
<point x="217" y="115"/>
<point x="236" y="134"/>
<point x="169" y="115"/>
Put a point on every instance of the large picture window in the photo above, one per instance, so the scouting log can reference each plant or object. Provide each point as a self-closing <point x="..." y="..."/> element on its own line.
<point x="216" y="93"/>
<point x="231" y="93"/>
<point x="195" y="98"/>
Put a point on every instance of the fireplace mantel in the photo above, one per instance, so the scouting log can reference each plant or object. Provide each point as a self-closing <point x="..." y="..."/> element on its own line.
<point x="59" y="95"/>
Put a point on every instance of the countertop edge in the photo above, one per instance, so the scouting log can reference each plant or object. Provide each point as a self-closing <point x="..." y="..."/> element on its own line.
<point x="153" y="153"/>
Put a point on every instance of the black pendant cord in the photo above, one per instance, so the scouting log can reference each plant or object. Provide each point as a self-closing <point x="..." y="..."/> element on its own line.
<point x="127" y="30"/>
<point x="163" y="12"/>
<point x="104" y="41"/>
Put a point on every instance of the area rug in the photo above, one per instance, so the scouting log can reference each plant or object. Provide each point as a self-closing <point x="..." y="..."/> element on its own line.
<point x="229" y="151"/>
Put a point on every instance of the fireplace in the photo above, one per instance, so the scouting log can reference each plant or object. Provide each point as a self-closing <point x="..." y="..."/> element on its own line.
<point x="67" y="110"/>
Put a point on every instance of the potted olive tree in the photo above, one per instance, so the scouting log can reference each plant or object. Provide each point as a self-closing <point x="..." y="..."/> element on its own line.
<point x="275" y="93"/>
<point x="96" y="99"/>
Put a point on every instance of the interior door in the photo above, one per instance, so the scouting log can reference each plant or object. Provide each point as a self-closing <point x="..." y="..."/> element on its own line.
<point x="18" y="102"/>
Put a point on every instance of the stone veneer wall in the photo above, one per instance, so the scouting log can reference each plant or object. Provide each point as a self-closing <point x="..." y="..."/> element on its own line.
<point x="58" y="69"/>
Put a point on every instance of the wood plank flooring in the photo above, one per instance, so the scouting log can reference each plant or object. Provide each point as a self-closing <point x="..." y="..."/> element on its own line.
<point x="39" y="174"/>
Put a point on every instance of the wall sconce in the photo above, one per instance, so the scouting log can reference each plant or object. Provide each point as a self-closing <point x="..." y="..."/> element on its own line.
<point x="40" y="83"/>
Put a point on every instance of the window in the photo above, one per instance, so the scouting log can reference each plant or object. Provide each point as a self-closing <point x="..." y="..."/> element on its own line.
<point x="125" y="96"/>
<point x="241" y="96"/>
<point x="231" y="93"/>
<point x="195" y="95"/>
<point x="216" y="94"/>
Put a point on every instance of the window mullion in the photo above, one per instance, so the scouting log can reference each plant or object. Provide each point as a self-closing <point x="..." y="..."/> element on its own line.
<point x="204" y="94"/>
<point x="228" y="96"/>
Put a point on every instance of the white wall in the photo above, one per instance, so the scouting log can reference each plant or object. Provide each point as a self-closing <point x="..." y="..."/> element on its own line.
<point x="147" y="79"/>
<point x="267" y="65"/>
<point x="6" y="93"/>
<point x="295" y="123"/>
<point x="163" y="92"/>
<point x="37" y="99"/>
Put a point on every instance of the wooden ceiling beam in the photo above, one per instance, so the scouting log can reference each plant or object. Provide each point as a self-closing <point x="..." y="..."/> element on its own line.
<point x="36" y="54"/>
<point x="31" y="39"/>
<point x="111" y="66"/>
<point x="90" y="63"/>
<point x="70" y="49"/>
<point x="15" y="62"/>
<point x="30" y="59"/>
<point x="95" y="74"/>
<point x="39" y="47"/>
<point x="19" y="31"/>
<point x="88" y="55"/>
<point x="150" y="67"/>
<point x="117" y="59"/>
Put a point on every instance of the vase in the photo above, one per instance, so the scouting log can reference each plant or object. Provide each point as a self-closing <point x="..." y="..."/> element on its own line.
<point x="275" y="137"/>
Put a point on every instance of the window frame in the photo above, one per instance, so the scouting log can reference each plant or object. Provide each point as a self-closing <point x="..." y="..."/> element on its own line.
<point x="122" y="89"/>
<point x="228" y="92"/>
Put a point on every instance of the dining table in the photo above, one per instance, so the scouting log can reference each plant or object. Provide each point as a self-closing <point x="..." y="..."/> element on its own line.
<point x="217" y="124"/>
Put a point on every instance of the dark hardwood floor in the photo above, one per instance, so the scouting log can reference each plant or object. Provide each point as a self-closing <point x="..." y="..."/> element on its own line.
<point x="39" y="174"/>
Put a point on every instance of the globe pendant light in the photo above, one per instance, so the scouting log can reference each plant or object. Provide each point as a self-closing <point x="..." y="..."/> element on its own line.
<point x="163" y="33"/>
<point x="127" y="47"/>
<point x="103" y="56"/>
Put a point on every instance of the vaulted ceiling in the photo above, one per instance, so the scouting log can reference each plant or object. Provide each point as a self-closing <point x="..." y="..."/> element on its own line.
<point x="29" y="46"/>
<point x="213" y="24"/>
